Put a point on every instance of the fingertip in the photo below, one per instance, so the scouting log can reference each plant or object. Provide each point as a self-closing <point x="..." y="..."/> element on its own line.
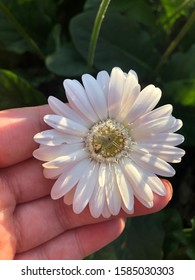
<point x="169" y="189"/>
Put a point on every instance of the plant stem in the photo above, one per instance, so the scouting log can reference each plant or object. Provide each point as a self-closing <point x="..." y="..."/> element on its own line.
<point x="96" y="30"/>
<point x="175" y="42"/>
<point x="20" y="29"/>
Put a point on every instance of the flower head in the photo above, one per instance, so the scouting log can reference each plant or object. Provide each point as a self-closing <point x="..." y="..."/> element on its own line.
<point x="108" y="144"/>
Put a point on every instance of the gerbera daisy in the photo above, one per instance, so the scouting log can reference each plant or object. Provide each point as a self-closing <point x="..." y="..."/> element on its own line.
<point x="108" y="144"/>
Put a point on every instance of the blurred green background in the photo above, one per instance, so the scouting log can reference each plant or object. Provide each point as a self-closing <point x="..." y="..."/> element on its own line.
<point x="44" y="42"/>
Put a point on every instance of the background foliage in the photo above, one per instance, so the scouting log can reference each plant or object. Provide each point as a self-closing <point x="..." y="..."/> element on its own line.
<point x="43" y="42"/>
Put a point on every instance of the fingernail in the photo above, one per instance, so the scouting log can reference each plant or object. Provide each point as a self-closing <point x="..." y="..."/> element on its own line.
<point x="170" y="188"/>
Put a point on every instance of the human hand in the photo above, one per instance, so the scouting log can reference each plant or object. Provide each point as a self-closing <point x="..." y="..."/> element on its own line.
<point x="32" y="225"/>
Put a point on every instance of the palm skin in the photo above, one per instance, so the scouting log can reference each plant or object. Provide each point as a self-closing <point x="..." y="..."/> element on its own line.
<point x="32" y="225"/>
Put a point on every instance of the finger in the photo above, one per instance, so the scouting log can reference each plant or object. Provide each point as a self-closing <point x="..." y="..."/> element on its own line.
<point x="77" y="243"/>
<point x="26" y="181"/>
<point x="159" y="201"/>
<point x="17" y="128"/>
<point x="43" y="219"/>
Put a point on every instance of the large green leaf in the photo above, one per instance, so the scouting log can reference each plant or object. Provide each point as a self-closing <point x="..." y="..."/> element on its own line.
<point x="121" y="42"/>
<point x="36" y="24"/>
<point x="191" y="238"/>
<point x="180" y="66"/>
<point x="138" y="10"/>
<point x="66" y="61"/>
<point x="144" y="238"/>
<point x="174" y="9"/>
<point x="174" y="237"/>
<point x="181" y="91"/>
<point x="16" y="92"/>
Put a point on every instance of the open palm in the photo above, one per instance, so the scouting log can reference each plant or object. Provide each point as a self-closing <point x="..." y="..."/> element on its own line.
<point x="32" y="225"/>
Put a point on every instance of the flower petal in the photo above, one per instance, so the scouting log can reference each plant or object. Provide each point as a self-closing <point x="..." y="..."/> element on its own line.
<point x="145" y="102"/>
<point x="103" y="79"/>
<point x="146" y="129"/>
<point x="97" y="200"/>
<point x="85" y="188"/>
<point x="54" y="173"/>
<point x="153" y="164"/>
<point x="53" y="137"/>
<point x="62" y="109"/>
<point x="176" y="126"/>
<point x="78" y="100"/>
<point x="139" y="185"/>
<point x="102" y="174"/>
<point x="115" y="90"/>
<point x="165" y="152"/>
<point x="96" y="96"/>
<point x="105" y="211"/>
<point x="113" y="197"/>
<point x="69" y="157"/>
<point x="48" y="153"/>
<point x="172" y="139"/>
<point x="125" y="189"/>
<point x="69" y="179"/>
<point x="131" y="91"/>
<point x="163" y="111"/>
<point x="65" y="125"/>
<point x="68" y="198"/>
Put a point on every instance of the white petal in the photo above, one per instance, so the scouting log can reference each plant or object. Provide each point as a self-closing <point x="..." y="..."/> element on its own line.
<point x="102" y="174"/>
<point x="131" y="91"/>
<point x="115" y="91"/>
<point x="153" y="164"/>
<point x="96" y="96"/>
<point x="65" y="125"/>
<point x="146" y="129"/>
<point x="103" y="79"/>
<point x="97" y="200"/>
<point x="132" y="72"/>
<point x="85" y="188"/>
<point x="69" y="179"/>
<point x="125" y="189"/>
<point x="145" y="102"/>
<point x="78" y="100"/>
<point x="176" y="126"/>
<point x="68" y="198"/>
<point x="50" y="137"/>
<point x="113" y="197"/>
<point x="157" y="113"/>
<point x="139" y="185"/>
<point x="47" y="153"/>
<point x="54" y="173"/>
<point x="106" y="212"/>
<point x="172" y="139"/>
<point x="165" y="152"/>
<point x="62" y="109"/>
<point x="152" y="181"/>
<point x="69" y="157"/>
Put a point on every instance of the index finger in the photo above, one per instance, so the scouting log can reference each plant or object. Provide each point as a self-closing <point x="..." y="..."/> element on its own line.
<point x="17" y="128"/>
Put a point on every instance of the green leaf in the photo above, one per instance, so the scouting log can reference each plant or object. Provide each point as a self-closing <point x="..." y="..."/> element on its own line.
<point x="66" y="61"/>
<point x="138" y="10"/>
<point x="16" y="92"/>
<point x="175" y="240"/>
<point x="174" y="9"/>
<point x="181" y="91"/>
<point x="36" y="25"/>
<point x="143" y="238"/>
<point x="191" y="237"/>
<point x="180" y="66"/>
<point x="120" y="43"/>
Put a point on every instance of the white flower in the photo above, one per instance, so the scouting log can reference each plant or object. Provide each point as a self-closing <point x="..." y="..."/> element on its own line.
<point x="107" y="145"/>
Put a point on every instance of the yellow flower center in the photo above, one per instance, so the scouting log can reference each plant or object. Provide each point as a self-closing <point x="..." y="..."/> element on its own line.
<point x="108" y="141"/>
